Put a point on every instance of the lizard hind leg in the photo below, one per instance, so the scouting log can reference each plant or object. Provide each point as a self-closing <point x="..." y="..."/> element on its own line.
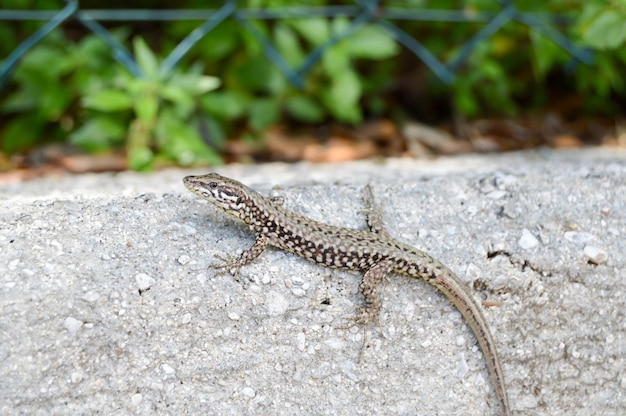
<point x="368" y="287"/>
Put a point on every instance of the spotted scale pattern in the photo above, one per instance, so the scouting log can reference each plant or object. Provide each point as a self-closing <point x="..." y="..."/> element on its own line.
<point x="374" y="252"/>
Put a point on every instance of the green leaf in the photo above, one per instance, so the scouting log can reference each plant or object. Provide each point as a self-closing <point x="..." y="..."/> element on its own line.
<point x="342" y="98"/>
<point x="21" y="133"/>
<point x="55" y="61"/>
<point x="206" y="83"/>
<point x="371" y="42"/>
<point x="210" y="50"/>
<point x="146" y="59"/>
<point x="465" y="101"/>
<point x="50" y="101"/>
<point x="136" y="86"/>
<point x="182" y="142"/>
<point x="54" y="101"/>
<point x="227" y="105"/>
<point x="492" y="70"/>
<point x="546" y="54"/>
<point x="99" y="133"/>
<point x="288" y="45"/>
<point x="339" y="25"/>
<point x="607" y="30"/>
<point x="21" y="100"/>
<point x="91" y="51"/>
<point x="140" y="158"/>
<point x="183" y="102"/>
<point x="257" y="74"/>
<point x="336" y="60"/>
<point x="176" y="95"/>
<point x="108" y="100"/>
<point x="316" y="29"/>
<point x="193" y="84"/>
<point x="146" y="108"/>
<point x="263" y="112"/>
<point x="305" y="109"/>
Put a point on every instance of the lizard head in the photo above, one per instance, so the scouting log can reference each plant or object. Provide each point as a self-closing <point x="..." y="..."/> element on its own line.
<point x="226" y="194"/>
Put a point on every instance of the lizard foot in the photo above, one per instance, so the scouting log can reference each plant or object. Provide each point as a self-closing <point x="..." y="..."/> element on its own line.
<point x="364" y="317"/>
<point x="228" y="265"/>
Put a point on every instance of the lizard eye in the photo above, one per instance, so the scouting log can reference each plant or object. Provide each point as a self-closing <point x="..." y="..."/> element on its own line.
<point x="213" y="185"/>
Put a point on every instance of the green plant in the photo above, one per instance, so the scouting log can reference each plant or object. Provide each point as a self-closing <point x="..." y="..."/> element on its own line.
<point x="47" y="84"/>
<point x="254" y="89"/>
<point x="156" y="113"/>
<point x="601" y="26"/>
<point x="73" y="90"/>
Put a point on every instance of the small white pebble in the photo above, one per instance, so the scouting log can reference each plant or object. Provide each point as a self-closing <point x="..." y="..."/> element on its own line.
<point x="72" y="325"/>
<point x="91" y="296"/>
<point x="189" y="229"/>
<point x="527" y="240"/>
<point x="298" y="292"/>
<point x="500" y="281"/>
<point x="301" y="341"/>
<point x="463" y="367"/>
<point x="233" y="316"/>
<point x="13" y="264"/>
<point x="143" y="281"/>
<point x="596" y="255"/>
<point x="276" y="303"/>
<point x="496" y="194"/>
<point x="186" y="318"/>
<point x="136" y="399"/>
<point x="57" y="245"/>
<point x="479" y="380"/>
<point x="460" y="340"/>
<point x="184" y="259"/>
<point x="168" y="369"/>
<point x="248" y="392"/>
<point x="335" y="343"/>
<point x="76" y="377"/>
<point x="409" y="311"/>
<point x="578" y="237"/>
<point x="201" y="278"/>
<point x="473" y="271"/>
<point x="266" y="279"/>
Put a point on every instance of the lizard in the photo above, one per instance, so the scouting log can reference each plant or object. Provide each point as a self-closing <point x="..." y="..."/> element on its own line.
<point x="372" y="251"/>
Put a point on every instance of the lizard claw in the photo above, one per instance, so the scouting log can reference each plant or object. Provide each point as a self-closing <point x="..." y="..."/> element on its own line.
<point x="227" y="266"/>
<point x="363" y="318"/>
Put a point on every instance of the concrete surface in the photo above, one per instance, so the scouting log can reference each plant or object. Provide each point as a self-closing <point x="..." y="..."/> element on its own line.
<point x="107" y="305"/>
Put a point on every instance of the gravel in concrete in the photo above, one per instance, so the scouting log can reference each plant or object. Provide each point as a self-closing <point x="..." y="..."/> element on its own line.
<point x="107" y="305"/>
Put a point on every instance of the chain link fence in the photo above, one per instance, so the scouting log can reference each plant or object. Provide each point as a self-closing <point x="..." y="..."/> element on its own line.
<point x="361" y="13"/>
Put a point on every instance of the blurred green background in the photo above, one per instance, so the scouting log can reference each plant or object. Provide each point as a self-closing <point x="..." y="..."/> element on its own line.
<point x="69" y="89"/>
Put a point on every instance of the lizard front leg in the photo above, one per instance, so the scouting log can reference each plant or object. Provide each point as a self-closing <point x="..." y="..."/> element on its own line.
<point x="246" y="257"/>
